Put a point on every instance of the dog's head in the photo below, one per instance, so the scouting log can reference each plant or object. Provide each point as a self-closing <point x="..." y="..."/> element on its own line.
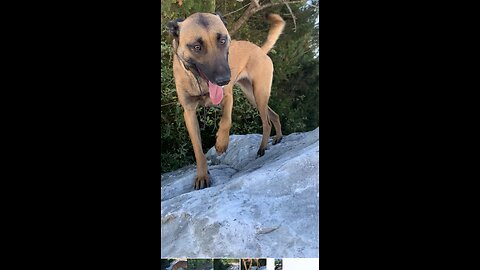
<point x="202" y="44"/>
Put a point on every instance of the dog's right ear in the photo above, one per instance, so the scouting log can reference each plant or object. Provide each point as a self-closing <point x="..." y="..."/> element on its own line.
<point x="173" y="27"/>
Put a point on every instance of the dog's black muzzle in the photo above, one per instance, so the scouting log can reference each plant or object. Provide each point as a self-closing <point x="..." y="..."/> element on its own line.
<point x="220" y="75"/>
<point x="221" y="81"/>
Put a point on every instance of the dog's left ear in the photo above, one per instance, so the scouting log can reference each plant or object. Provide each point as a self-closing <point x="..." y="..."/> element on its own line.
<point x="173" y="27"/>
<point x="221" y="17"/>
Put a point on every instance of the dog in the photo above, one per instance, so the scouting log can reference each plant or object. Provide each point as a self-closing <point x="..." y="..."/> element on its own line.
<point x="206" y="66"/>
<point x="251" y="262"/>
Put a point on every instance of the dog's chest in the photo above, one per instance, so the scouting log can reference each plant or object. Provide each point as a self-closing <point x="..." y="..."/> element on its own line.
<point x="202" y="97"/>
<point x="205" y="100"/>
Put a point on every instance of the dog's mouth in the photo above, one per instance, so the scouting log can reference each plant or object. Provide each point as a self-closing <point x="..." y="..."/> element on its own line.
<point x="215" y="91"/>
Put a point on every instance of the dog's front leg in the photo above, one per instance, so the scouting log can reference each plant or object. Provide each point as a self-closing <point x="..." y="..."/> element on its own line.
<point x="245" y="264"/>
<point x="202" y="180"/>
<point x="223" y="133"/>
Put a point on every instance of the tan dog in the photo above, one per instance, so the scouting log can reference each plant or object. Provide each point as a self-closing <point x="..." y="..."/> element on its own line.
<point x="206" y="65"/>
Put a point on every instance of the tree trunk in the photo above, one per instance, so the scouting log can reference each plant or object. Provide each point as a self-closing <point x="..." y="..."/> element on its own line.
<point x="246" y="15"/>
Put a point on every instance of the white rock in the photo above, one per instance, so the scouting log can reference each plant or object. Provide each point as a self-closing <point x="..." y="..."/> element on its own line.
<point x="263" y="207"/>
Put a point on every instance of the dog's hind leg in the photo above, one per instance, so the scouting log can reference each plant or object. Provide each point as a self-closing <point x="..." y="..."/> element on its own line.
<point x="262" y="94"/>
<point x="223" y="133"/>
<point x="276" y="123"/>
<point x="267" y="128"/>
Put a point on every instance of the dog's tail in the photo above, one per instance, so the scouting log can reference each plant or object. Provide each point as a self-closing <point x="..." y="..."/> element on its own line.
<point x="276" y="27"/>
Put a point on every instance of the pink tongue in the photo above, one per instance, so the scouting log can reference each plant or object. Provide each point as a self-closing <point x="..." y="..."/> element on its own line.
<point x="216" y="93"/>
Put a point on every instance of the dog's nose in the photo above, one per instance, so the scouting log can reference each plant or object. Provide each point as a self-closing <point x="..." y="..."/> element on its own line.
<point x="221" y="81"/>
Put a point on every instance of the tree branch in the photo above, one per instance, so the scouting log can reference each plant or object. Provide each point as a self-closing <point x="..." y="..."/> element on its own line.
<point x="252" y="9"/>
<point x="236" y="10"/>
<point x="293" y="16"/>
<point x="280" y="3"/>
<point x="243" y="19"/>
<point x="168" y="104"/>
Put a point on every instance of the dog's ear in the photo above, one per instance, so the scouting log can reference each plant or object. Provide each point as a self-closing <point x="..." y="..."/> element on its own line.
<point x="173" y="27"/>
<point x="221" y="17"/>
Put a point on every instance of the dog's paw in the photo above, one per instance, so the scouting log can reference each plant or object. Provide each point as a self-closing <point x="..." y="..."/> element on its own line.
<point x="220" y="148"/>
<point x="222" y="143"/>
<point x="202" y="181"/>
<point x="277" y="139"/>
<point x="260" y="152"/>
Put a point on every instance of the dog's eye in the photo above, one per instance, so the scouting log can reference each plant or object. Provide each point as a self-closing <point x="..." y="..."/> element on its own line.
<point x="222" y="41"/>
<point x="197" y="48"/>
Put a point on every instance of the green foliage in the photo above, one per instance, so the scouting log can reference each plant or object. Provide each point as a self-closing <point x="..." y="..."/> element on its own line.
<point x="164" y="263"/>
<point x="200" y="264"/>
<point x="295" y="89"/>
<point x="175" y="143"/>
<point x="229" y="261"/>
<point x="223" y="264"/>
<point x="245" y="118"/>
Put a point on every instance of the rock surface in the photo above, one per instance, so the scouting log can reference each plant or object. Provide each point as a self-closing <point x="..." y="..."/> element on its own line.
<point x="263" y="207"/>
